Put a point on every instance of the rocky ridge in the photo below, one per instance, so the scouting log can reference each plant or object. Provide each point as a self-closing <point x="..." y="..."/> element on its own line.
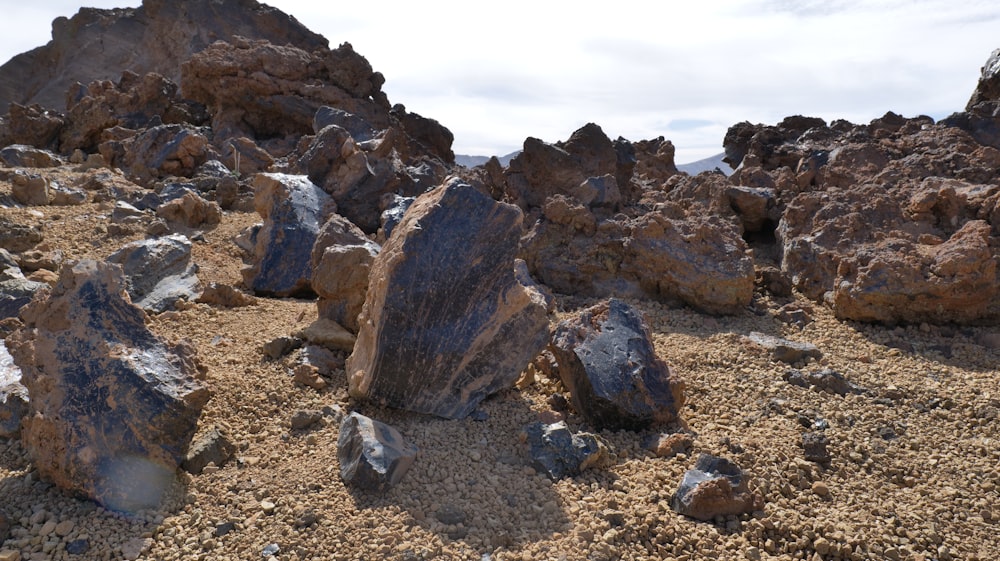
<point x="831" y="309"/>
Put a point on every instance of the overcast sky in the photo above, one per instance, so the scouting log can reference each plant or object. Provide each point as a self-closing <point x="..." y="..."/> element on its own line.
<point x="682" y="70"/>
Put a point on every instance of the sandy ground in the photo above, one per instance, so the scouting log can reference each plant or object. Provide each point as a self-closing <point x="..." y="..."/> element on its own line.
<point x="914" y="474"/>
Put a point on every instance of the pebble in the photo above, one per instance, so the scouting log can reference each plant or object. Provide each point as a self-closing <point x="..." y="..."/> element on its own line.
<point x="821" y="489"/>
<point x="65" y="527"/>
<point x="78" y="547"/>
<point x="48" y="528"/>
<point x="268" y="507"/>
<point x="10" y="555"/>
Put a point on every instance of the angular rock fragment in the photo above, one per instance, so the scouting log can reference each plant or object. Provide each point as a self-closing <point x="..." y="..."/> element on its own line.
<point x="341" y="261"/>
<point x="213" y="447"/>
<point x="606" y="359"/>
<point x="113" y="408"/>
<point x="15" y="289"/>
<point x="158" y="272"/>
<point x="16" y="237"/>
<point x="372" y="454"/>
<point x="446" y="321"/>
<point x="165" y="150"/>
<point x="13" y="396"/>
<point x="715" y="487"/>
<point x="814" y="446"/>
<point x="293" y="209"/>
<point x="191" y="210"/>
<point x="225" y="296"/>
<point x="784" y="350"/>
<point x="328" y="333"/>
<point x="31" y="190"/>
<point x="559" y="453"/>
<point x="22" y="156"/>
<point x="823" y="380"/>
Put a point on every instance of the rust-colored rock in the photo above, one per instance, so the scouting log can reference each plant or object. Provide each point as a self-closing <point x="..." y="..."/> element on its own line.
<point x="113" y="408"/>
<point x="446" y="321"/>
<point x="715" y="487"/>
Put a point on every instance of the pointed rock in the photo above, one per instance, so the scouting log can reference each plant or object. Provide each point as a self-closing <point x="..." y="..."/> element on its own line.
<point x="372" y="454"/>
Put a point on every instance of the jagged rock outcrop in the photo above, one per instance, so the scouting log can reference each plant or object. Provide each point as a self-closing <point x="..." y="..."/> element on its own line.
<point x="446" y="321"/>
<point x="605" y="358"/>
<point x="372" y="454"/>
<point x="158" y="272"/>
<point x="342" y="258"/>
<point x="293" y="209"/>
<point x="24" y="156"/>
<point x="113" y="408"/>
<point x="158" y="36"/>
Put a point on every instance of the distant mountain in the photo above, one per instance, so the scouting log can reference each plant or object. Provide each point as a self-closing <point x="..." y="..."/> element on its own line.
<point x="473" y="161"/>
<point x="708" y="164"/>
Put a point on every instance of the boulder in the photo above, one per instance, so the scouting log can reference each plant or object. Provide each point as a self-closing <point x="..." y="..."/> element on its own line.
<point x="17" y="237"/>
<point x="13" y="395"/>
<point x="113" y="408"/>
<point x="373" y="455"/>
<point x="342" y="258"/>
<point x="31" y="125"/>
<point x="22" y="156"/>
<point x="190" y="210"/>
<point x="158" y="272"/>
<point x="715" y="487"/>
<point x="446" y="321"/>
<point x="31" y="190"/>
<point x="988" y="88"/>
<point x="164" y="150"/>
<point x="15" y="289"/>
<point x="293" y="209"/>
<point x="605" y="358"/>
<point x="558" y="453"/>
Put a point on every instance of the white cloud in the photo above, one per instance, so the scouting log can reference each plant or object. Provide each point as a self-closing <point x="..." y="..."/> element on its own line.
<point x="497" y="75"/>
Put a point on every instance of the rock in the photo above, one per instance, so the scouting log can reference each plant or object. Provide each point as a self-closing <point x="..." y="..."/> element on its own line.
<point x="303" y="419"/>
<point x="21" y="156"/>
<point x="225" y="296"/>
<point x="85" y="354"/>
<point x="280" y="346"/>
<point x="10" y="555"/>
<point x="98" y="44"/>
<point x="329" y="334"/>
<point x="31" y="125"/>
<point x="814" y="445"/>
<point x="308" y="375"/>
<point x="784" y="350"/>
<point x="450" y="515"/>
<point x="65" y="527"/>
<point x="341" y="261"/>
<point x="715" y="487"/>
<point x="392" y="215"/>
<point x="163" y="151"/>
<point x="65" y="196"/>
<point x="247" y="158"/>
<point x="559" y="453"/>
<point x="15" y="289"/>
<point x="372" y="455"/>
<point x="191" y="210"/>
<point x="16" y="237"/>
<point x="13" y="400"/>
<point x="606" y="360"/>
<point x="212" y="447"/>
<point x="293" y="209"/>
<point x="446" y="321"/>
<point x="826" y="380"/>
<point x="158" y="272"/>
<point x="31" y="190"/>
<point x="669" y="445"/>
<point x="135" y="547"/>
<point x="988" y="88"/>
<point x="78" y="547"/>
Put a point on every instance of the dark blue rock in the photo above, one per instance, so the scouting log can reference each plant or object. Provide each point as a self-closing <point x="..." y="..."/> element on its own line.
<point x="606" y="359"/>
<point x="715" y="487"/>
<point x="372" y="455"/>
<point x="360" y="129"/>
<point x="293" y="209"/>
<point x="158" y="272"/>
<point x="393" y="215"/>
<point x="558" y="453"/>
<point x="78" y="547"/>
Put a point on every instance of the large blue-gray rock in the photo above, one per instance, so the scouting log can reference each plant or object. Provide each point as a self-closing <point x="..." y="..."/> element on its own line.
<point x="558" y="453"/>
<point x="293" y="209"/>
<point x="606" y="359"/>
<point x="372" y="454"/>
<point x="165" y="150"/>
<point x="715" y="487"/>
<point x="158" y="272"/>
<point x="113" y="408"/>
<point x="446" y="321"/>
<point x="15" y="290"/>
<point x="13" y="395"/>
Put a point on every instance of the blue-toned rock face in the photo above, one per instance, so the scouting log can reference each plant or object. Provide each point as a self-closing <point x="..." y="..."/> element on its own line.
<point x="113" y="408"/>
<point x="606" y="359"/>
<point x="372" y="455"/>
<point x="293" y="209"/>
<point x="446" y="322"/>
<point x="158" y="272"/>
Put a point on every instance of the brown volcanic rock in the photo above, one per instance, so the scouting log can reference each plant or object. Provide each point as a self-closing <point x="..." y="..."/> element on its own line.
<point x="156" y="37"/>
<point x="33" y="125"/>
<point x="113" y="408"/>
<point x="447" y="322"/>
<point x="342" y="258"/>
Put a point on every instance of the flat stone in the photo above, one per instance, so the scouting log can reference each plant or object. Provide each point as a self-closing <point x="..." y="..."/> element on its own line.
<point x="328" y="333"/>
<point x="784" y="350"/>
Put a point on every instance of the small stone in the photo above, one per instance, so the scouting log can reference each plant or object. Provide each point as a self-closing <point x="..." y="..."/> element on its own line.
<point x="48" y="528"/>
<point x="65" y="527"/>
<point x="814" y="445"/>
<point x="279" y="347"/>
<point x="669" y="445"/>
<point x="302" y="420"/>
<point x="308" y="375"/>
<point x="821" y="489"/>
<point x="753" y="554"/>
<point x="268" y="507"/>
<point x="10" y="555"/>
<point x="450" y="514"/>
<point x="135" y="547"/>
<point x="224" y="528"/>
<point x="306" y="518"/>
<point x="270" y="550"/>
<point x="78" y="547"/>
<point x="821" y="544"/>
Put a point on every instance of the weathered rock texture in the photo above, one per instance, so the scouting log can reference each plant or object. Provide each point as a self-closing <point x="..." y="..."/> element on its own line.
<point x="158" y="272"/>
<point x="372" y="454"/>
<point x="15" y="289"/>
<point x="557" y="452"/>
<point x="446" y="322"/>
<point x="293" y="209"/>
<point x="715" y="487"/>
<point x="112" y="408"/>
<point x="605" y="357"/>
<point x="13" y="395"/>
<point x="156" y="37"/>
<point x="342" y="258"/>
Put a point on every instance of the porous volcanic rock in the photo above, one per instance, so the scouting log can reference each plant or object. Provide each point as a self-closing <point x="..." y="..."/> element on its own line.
<point x="293" y="209"/>
<point x="113" y="408"/>
<point x="715" y="487"/>
<point x="372" y="454"/>
<point x="446" y="321"/>
<point x="158" y="36"/>
<point x="158" y="272"/>
<point x="342" y="258"/>
<point x="605" y="357"/>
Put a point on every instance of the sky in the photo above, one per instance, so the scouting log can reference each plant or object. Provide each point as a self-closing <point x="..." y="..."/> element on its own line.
<point x="686" y="71"/>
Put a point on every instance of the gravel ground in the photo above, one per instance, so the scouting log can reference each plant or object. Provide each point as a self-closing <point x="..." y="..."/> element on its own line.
<point x="914" y="473"/>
